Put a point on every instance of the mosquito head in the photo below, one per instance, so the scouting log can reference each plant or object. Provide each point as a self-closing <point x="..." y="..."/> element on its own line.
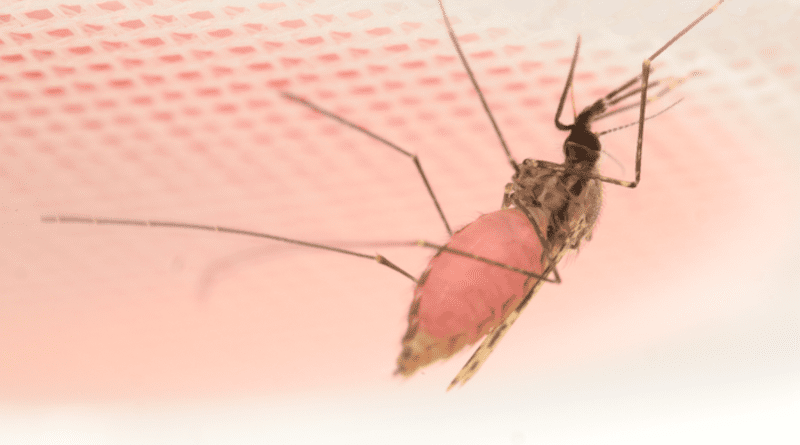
<point x="582" y="147"/>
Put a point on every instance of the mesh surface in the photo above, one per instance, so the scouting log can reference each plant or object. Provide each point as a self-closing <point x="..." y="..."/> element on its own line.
<point x="171" y="110"/>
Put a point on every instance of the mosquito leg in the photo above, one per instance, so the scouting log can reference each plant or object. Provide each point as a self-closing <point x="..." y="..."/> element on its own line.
<point x="423" y="243"/>
<point x="65" y="219"/>
<point x="461" y="56"/>
<point x="68" y="219"/>
<point x="567" y="86"/>
<point x="507" y="196"/>
<point x="643" y="100"/>
<point x="413" y="157"/>
<point x="642" y="105"/>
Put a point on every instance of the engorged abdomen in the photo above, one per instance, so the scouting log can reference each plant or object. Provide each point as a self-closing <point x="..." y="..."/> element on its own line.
<point x="458" y="299"/>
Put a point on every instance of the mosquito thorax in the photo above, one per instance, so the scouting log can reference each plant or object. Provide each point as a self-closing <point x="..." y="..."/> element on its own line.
<point x="568" y="200"/>
<point x="537" y="185"/>
<point x="582" y="146"/>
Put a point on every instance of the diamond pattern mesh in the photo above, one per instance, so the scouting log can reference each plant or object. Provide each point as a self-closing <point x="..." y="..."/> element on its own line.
<point x="171" y="110"/>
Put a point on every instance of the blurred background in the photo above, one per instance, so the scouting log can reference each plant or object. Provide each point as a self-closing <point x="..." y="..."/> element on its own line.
<point x="678" y="322"/>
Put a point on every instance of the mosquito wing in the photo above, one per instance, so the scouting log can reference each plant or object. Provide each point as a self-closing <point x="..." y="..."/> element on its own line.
<point x="490" y="342"/>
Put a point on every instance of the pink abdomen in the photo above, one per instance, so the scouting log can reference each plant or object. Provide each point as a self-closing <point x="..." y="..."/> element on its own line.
<point x="460" y="295"/>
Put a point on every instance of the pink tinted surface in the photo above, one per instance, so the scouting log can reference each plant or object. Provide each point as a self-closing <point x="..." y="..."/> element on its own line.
<point x="464" y="296"/>
<point x="678" y="320"/>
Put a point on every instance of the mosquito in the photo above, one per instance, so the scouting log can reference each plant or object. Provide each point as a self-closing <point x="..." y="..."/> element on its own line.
<point x="478" y="284"/>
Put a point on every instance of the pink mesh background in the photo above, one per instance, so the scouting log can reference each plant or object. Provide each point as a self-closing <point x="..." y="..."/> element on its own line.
<point x="171" y="110"/>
